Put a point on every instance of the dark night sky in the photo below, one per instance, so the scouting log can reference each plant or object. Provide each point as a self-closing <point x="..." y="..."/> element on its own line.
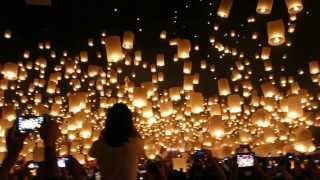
<point x="69" y="23"/>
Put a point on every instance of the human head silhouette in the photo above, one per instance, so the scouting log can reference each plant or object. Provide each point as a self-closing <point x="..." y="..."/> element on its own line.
<point x="119" y="125"/>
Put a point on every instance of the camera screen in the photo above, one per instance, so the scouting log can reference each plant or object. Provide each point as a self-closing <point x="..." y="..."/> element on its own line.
<point x="28" y="124"/>
<point x="245" y="160"/>
<point x="33" y="166"/>
<point x="62" y="162"/>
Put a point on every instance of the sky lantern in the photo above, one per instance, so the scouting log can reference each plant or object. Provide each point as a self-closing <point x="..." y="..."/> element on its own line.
<point x="84" y="56"/>
<point x="160" y="60"/>
<point x="265" y="53"/>
<point x="188" y="82"/>
<point x="264" y="6"/>
<point x="268" y="89"/>
<point x="216" y="127"/>
<point x="276" y="32"/>
<point x="314" y="67"/>
<point x="223" y="86"/>
<point x="139" y="97"/>
<point x="113" y="49"/>
<point x="174" y="93"/>
<point x="10" y="71"/>
<point x="138" y="56"/>
<point x="128" y="39"/>
<point x="184" y="47"/>
<point x="77" y="101"/>
<point x="224" y="8"/>
<point x="187" y="67"/>
<point x="9" y="112"/>
<point x="166" y="109"/>
<point x="294" y="107"/>
<point x="234" y="103"/>
<point x="294" y="6"/>
<point x="261" y="118"/>
<point x="196" y="102"/>
<point x="163" y="34"/>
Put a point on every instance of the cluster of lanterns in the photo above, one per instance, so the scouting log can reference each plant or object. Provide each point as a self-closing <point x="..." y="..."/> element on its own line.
<point x="272" y="116"/>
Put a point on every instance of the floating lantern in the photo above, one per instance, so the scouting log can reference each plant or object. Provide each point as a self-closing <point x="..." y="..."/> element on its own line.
<point x="265" y="53"/>
<point x="166" y="109"/>
<point x="188" y="82"/>
<point x="216" y="127"/>
<point x="276" y="32"/>
<point x="264" y="6"/>
<point x="113" y="49"/>
<point x="163" y="34"/>
<point x="294" y="107"/>
<point x="224" y="8"/>
<point x="10" y="71"/>
<point x="128" y="38"/>
<point x="139" y="97"/>
<point x="196" y="102"/>
<point x="234" y="103"/>
<point x="160" y="60"/>
<point x="314" y="67"/>
<point x="223" y="86"/>
<point x="84" y="56"/>
<point x="294" y="6"/>
<point x="184" y="47"/>
<point x="187" y="67"/>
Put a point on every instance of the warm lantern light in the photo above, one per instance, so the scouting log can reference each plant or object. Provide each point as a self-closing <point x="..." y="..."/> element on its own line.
<point x="264" y="6"/>
<point x="139" y="97"/>
<point x="223" y="86"/>
<point x="187" y="67"/>
<point x="128" y="39"/>
<point x="184" y="47"/>
<point x="83" y="56"/>
<point x="196" y="102"/>
<point x="10" y="71"/>
<point x="113" y="49"/>
<point x="224" y="8"/>
<point x="314" y="67"/>
<point x="276" y="32"/>
<point x="234" y="103"/>
<point x="294" y="6"/>
<point x="265" y="53"/>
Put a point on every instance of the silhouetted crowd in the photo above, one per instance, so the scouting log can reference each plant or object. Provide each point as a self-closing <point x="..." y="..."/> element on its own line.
<point x="118" y="155"/>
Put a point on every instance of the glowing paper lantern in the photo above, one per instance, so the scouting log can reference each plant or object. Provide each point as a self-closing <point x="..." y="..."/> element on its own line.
<point x="113" y="49"/>
<point x="223" y="86"/>
<point x="261" y="118"/>
<point x="10" y="71"/>
<point x="139" y="97"/>
<point x="166" y="109"/>
<point x="265" y="53"/>
<point x="268" y="89"/>
<point x="196" y="102"/>
<point x="294" y="107"/>
<point x="9" y="112"/>
<point x="160" y="60"/>
<point x="187" y="67"/>
<point x="128" y="39"/>
<point x="163" y="34"/>
<point x="84" y="56"/>
<point x="188" y="82"/>
<point x="224" y="8"/>
<point x="174" y="93"/>
<point x="184" y="47"/>
<point x="234" y="103"/>
<point x="294" y="6"/>
<point x="314" y="67"/>
<point x="77" y="102"/>
<point x="264" y="6"/>
<point x="216" y="127"/>
<point x="276" y="32"/>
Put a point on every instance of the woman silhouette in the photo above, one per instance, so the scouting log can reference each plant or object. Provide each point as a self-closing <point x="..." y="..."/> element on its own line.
<point x="118" y="149"/>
